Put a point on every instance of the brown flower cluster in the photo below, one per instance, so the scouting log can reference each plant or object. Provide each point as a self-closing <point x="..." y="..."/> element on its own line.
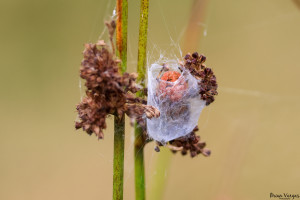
<point x="107" y="91"/>
<point x="191" y="144"/>
<point x="208" y="85"/>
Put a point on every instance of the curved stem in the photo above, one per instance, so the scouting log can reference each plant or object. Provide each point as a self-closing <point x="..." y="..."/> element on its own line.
<point x="141" y="69"/>
<point x="119" y="123"/>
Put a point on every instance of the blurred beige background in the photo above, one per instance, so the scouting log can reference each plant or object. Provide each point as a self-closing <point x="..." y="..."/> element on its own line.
<point x="252" y="128"/>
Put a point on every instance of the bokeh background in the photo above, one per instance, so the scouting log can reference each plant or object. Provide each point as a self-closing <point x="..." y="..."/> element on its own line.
<point x="252" y="128"/>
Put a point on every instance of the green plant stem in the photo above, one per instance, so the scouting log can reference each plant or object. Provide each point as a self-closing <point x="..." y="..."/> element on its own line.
<point x="139" y="163"/>
<point x="121" y="32"/>
<point x="119" y="126"/>
<point x="141" y="69"/>
<point x="119" y="122"/>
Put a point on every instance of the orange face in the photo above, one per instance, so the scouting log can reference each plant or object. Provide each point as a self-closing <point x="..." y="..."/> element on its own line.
<point x="168" y="88"/>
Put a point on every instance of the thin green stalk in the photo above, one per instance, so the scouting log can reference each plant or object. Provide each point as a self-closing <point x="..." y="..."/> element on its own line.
<point x="121" y="32"/>
<point x="119" y="126"/>
<point x="139" y="163"/>
<point x="119" y="123"/>
<point x="141" y="69"/>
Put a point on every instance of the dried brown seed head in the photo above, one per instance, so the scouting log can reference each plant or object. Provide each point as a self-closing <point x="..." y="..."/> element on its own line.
<point x="208" y="84"/>
<point x="190" y="143"/>
<point x="107" y="91"/>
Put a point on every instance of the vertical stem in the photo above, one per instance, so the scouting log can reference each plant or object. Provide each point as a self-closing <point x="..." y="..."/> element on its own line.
<point x="119" y="126"/>
<point x="141" y="69"/>
<point x="119" y="123"/>
<point x="121" y="32"/>
<point x="139" y="163"/>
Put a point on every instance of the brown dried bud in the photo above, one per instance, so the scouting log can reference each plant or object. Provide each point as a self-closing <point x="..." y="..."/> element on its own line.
<point x="208" y="84"/>
<point x="156" y="148"/>
<point x="190" y="143"/>
<point x="151" y="111"/>
<point x="137" y="110"/>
